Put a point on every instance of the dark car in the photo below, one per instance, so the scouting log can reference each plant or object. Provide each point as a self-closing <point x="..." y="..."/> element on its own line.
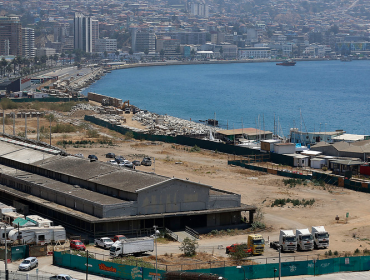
<point x="146" y="161"/>
<point x="92" y="157"/>
<point x="110" y="155"/>
<point x="120" y="159"/>
<point x="136" y="162"/>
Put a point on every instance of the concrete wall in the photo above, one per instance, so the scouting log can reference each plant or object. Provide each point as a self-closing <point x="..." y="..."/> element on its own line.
<point x="173" y="196"/>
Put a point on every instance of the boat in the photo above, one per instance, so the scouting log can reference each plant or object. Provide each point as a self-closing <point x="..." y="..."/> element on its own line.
<point x="286" y="63"/>
<point x="346" y="58"/>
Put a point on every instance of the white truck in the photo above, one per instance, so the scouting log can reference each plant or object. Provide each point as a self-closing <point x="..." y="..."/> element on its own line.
<point x="104" y="242"/>
<point x="287" y="241"/>
<point x="132" y="246"/>
<point x="320" y="237"/>
<point x="38" y="235"/>
<point x="304" y="239"/>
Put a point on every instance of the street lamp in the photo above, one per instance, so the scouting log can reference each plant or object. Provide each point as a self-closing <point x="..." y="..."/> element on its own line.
<point x="156" y="232"/>
<point x="239" y="266"/>
<point x="280" y="261"/>
<point x="274" y="272"/>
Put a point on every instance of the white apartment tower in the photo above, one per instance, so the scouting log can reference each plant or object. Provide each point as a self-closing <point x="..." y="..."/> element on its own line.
<point x="28" y="42"/>
<point x="201" y="10"/>
<point x="86" y="32"/>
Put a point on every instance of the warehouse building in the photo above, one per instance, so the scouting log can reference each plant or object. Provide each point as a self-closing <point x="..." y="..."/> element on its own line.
<point x="97" y="198"/>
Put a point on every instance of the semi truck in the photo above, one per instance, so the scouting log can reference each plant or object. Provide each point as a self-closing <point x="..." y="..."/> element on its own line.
<point x="132" y="246"/>
<point x="38" y="235"/>
<point x="320" y="237"/>
<point x="287" y="241"/>
<point x="304" y="239"/>
<point x="256" y="244"/>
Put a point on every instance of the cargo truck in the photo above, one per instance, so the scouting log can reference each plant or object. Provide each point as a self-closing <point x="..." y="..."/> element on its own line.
<point x="132" y="246"/>
<point x="304" y="239"/>
<point x="287" y="241"/>
<point x="256" y="244"/>
<point x="321" y="237"/>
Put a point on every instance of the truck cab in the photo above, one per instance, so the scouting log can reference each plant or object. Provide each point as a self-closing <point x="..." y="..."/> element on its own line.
<point x="304" y="239"/>
<point x="287" y="241"/>
<point x="256" y="244"/>
<point x="321" y="237"/>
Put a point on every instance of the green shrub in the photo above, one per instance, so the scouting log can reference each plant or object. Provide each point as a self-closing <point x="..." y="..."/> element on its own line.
<point x="195" y="149"/>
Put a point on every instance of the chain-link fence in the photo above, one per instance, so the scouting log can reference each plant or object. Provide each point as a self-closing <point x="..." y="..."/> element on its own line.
<point x="26" y="275"/>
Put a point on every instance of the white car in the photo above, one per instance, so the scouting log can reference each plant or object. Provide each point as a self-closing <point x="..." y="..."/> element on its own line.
<point x="104" y="242"/>
<point x="112" y="161"/>
<point x="29" y="263"/>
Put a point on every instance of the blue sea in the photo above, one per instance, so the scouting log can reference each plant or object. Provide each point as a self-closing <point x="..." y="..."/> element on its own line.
<point x="312" y="96"/>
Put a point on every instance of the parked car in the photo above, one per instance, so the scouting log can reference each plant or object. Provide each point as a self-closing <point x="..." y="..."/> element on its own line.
<point x="112" y="161"/>
<point x="79" y="155"/>
<point x="92" y="158"/>
<point x="77" y="245"/>
<point x="110" y="155"/>
<point x="128" y="164"/>
<point x="120" y="159"/>
<point x="136" y="162"/>
<point x="146" y="161"/>
<point x="29" y="263"/>
<point x="62" y="277"/>
<point x="104" y="242"/>
<point x="119" y="237"/>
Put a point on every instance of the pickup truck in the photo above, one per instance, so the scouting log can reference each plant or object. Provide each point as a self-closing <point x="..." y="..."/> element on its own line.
<point x="62" y="277"/>
<point x="104" y="242"/>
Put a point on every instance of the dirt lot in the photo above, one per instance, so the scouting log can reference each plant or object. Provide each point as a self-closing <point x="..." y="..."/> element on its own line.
<point x="255" y="188"/>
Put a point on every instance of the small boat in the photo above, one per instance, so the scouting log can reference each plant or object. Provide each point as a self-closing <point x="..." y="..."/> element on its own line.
<point x="212" y="122"/>
<point x="286" y="63"/>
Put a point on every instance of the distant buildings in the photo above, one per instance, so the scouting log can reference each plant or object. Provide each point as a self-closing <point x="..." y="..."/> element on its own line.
<point x="201" y="10"/>
<point x="86" y="32"/>
<point x="10" y="36"/>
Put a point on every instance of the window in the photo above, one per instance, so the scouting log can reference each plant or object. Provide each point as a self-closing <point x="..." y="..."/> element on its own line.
<point x="41" y="237"/>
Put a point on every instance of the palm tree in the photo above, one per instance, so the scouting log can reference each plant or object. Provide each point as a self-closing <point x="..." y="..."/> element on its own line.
<point x="56" y="58"/>
<point x="63" y="55"/>
<point x="3" y="64"/>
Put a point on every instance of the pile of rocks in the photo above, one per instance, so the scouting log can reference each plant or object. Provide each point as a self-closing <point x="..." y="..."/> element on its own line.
<point x="84" y="106"/>
<point x="168" y="125"/>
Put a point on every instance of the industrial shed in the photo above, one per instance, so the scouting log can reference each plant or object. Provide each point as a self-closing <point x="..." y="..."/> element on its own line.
<point x="97" y="198"/>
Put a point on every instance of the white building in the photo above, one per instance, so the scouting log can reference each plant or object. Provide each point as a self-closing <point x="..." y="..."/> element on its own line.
<point x="28" y="42"/>
<point x="86" y="32"/>
<point x="201" y="10"/>
<point x="45" y="51"/>
<point x="106" y="45"/>
<point x="262" y="52"/>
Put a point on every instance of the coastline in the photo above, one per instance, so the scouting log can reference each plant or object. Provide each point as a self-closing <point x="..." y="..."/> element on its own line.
<point x="175" y="62"/>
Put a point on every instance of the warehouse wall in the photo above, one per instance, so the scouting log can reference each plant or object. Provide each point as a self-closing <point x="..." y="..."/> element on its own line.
<point x="173" y="196"/>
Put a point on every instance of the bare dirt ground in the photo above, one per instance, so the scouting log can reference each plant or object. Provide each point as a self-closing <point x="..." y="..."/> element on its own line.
<point x="255" y="188"/>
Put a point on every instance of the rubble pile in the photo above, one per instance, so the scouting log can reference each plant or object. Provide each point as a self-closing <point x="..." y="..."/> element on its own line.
<point x="168" y="125"/>
<point x="84" y="106"/>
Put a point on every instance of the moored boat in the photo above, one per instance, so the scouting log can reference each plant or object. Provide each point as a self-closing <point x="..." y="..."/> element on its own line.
<point x="286" y="63"/>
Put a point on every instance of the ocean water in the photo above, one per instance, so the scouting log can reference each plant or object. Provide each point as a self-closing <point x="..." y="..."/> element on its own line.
<point x="313" y="95"/>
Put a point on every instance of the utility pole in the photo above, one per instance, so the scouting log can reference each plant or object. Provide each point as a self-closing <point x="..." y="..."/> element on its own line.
<point x="156" y="259"/>
<point x="50" y="130"/>
<point x="6" y="256"/>
<point x="87" y="264"/>
<point x="14" y="123"/>
<point x="38" y="127"/>
<point x="25" y="125"/>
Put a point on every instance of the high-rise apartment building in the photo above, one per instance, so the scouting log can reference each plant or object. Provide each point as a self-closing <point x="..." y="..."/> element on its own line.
<point x="145" y="41"/>
<point x="201" y="10"/>
<point x="86" y="32"/>
<point x="10" y="36"/>
<point x="28" y="42"/>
